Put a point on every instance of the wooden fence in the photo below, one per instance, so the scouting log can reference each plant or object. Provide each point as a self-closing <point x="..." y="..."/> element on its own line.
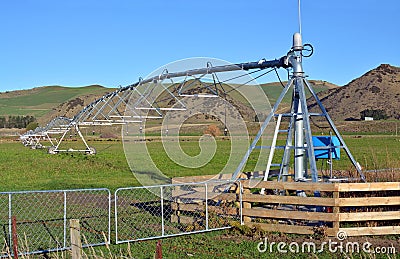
<point x="358" y="209"/>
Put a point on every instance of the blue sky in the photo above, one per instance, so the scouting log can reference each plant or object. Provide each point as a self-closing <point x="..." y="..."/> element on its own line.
<point x="112" y="43"/>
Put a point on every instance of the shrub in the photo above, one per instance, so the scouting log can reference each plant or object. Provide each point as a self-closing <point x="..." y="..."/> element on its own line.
<point x="213" y="130"/>
<point x="32" y="125"/>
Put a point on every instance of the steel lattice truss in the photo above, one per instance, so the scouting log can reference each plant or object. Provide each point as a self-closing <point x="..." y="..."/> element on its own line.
<point x="137" y="102"/>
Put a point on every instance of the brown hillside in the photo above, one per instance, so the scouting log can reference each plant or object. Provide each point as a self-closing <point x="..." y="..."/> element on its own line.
<point x="378" y="89"/>
<point x="73" y="106"/>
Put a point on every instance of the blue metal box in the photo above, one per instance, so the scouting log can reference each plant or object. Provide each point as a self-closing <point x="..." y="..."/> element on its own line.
<point x="326" y="141"/>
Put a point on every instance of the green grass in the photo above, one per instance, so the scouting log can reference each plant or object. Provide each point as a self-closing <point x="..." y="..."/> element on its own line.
<point x="227" y="244"/>
<point x="25" y="169"/>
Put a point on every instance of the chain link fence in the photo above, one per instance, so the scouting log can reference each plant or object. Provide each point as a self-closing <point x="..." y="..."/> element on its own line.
<point x="169" y="210"/>
<point x="42" y="219"/>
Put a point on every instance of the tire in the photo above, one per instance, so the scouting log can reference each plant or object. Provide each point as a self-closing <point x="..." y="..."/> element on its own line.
<point x="92" y="151"/>
<point x="52" y="150"/>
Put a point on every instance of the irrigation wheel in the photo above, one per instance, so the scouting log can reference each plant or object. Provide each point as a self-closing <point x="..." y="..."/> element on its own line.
<point x="52" y="150"/>
<point x="92" y="151"/>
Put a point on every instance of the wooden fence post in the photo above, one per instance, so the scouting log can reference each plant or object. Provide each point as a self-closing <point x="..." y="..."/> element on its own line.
<point x="246" y="205"/>
<point x="14" y="236"/>
<point x="336" y="210"/>
<point x="158" y="254"/>
<point x="76" y="243"/>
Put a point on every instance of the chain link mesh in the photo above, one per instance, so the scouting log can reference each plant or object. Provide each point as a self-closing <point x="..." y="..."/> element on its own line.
<point x="169" y="210"/>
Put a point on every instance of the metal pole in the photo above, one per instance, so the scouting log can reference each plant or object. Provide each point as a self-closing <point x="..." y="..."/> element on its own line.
<point x="206" y="198"/>
<point x="65" y="219"/>
<point x="116" y="215"/>
<point x="308" y="135"/>
<point x="162" y="210"/>
<point x="298" y="141"/>
<point x="9" y="219"/>
<point x="284" y="170"/>
<point x="299" y="152"/>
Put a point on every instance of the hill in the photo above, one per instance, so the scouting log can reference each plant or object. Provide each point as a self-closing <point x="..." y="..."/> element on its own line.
<point x="48" y="102"/>
<point x="377" y="90"/>
<point x="273" y="90"/>
<point x="40" y="101"/>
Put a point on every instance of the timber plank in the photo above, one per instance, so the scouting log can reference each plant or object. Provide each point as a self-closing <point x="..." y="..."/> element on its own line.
<point x="370" y="231"/>
<point x="368" y="201"/>
<point x="362" y="187"/>
<point x="366" y="216"/>
<point x="285" y="214"/>
<point x="289" y="199"/>
<point x="329" y="187"/>
<point x="306" y="230"/>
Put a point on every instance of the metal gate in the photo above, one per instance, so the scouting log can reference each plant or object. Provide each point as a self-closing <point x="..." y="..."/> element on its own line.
<point x="170" y="210"/>
<point x="42" y="219"/>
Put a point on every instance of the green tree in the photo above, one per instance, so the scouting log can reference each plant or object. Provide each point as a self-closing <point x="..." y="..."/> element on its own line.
<point x="32" y="125"/>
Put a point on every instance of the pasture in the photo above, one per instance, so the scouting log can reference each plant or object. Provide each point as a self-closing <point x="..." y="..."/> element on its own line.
<point x="25" y="169"/>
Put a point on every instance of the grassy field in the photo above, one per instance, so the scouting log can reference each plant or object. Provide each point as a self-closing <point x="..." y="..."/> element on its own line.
<point x="25" y="169"/>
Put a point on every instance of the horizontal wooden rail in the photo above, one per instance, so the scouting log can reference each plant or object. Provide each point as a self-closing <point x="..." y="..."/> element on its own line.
<point x="305" y="230"/>
<point x="287" y="214"/>
<point x="367" y="216"/>
<point x="317" y="201"/>
<point x="277" y="199"/>
<point x="368" y="201"/>
<point x="368" y="187"/>
<point x="328" y="187"/>
<point x="369" y="231"/>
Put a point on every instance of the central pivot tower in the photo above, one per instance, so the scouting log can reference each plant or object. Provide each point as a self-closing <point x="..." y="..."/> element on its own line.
<point x="299" y="138"/>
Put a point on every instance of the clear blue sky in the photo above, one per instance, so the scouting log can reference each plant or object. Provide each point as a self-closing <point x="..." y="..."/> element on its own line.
<point x="83" y="42"/>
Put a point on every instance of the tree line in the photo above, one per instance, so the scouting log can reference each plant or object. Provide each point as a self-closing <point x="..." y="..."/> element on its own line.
<point x="19" y="122"/>
<point x="376" y="114"/>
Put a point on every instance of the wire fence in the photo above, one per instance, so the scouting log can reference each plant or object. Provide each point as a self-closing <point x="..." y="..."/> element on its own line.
<point x="170" y="210"/>
<point x="42" y="219"/>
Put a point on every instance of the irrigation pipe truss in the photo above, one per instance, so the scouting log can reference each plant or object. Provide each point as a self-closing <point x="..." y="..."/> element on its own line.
<point x="109" y="109"/>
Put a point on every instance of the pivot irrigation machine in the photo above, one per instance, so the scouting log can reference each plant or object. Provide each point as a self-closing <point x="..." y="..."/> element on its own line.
<point x="152" y="98"/>
<point x="300" y="143"/>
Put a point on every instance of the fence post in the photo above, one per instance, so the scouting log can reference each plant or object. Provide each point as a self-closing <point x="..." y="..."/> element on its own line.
<point x="246" y="205"/>
<point x="158" y="254"/>
<point x="76" y="243"/>
<point x="14" y="236"/>
<point x="336" y="209"/>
